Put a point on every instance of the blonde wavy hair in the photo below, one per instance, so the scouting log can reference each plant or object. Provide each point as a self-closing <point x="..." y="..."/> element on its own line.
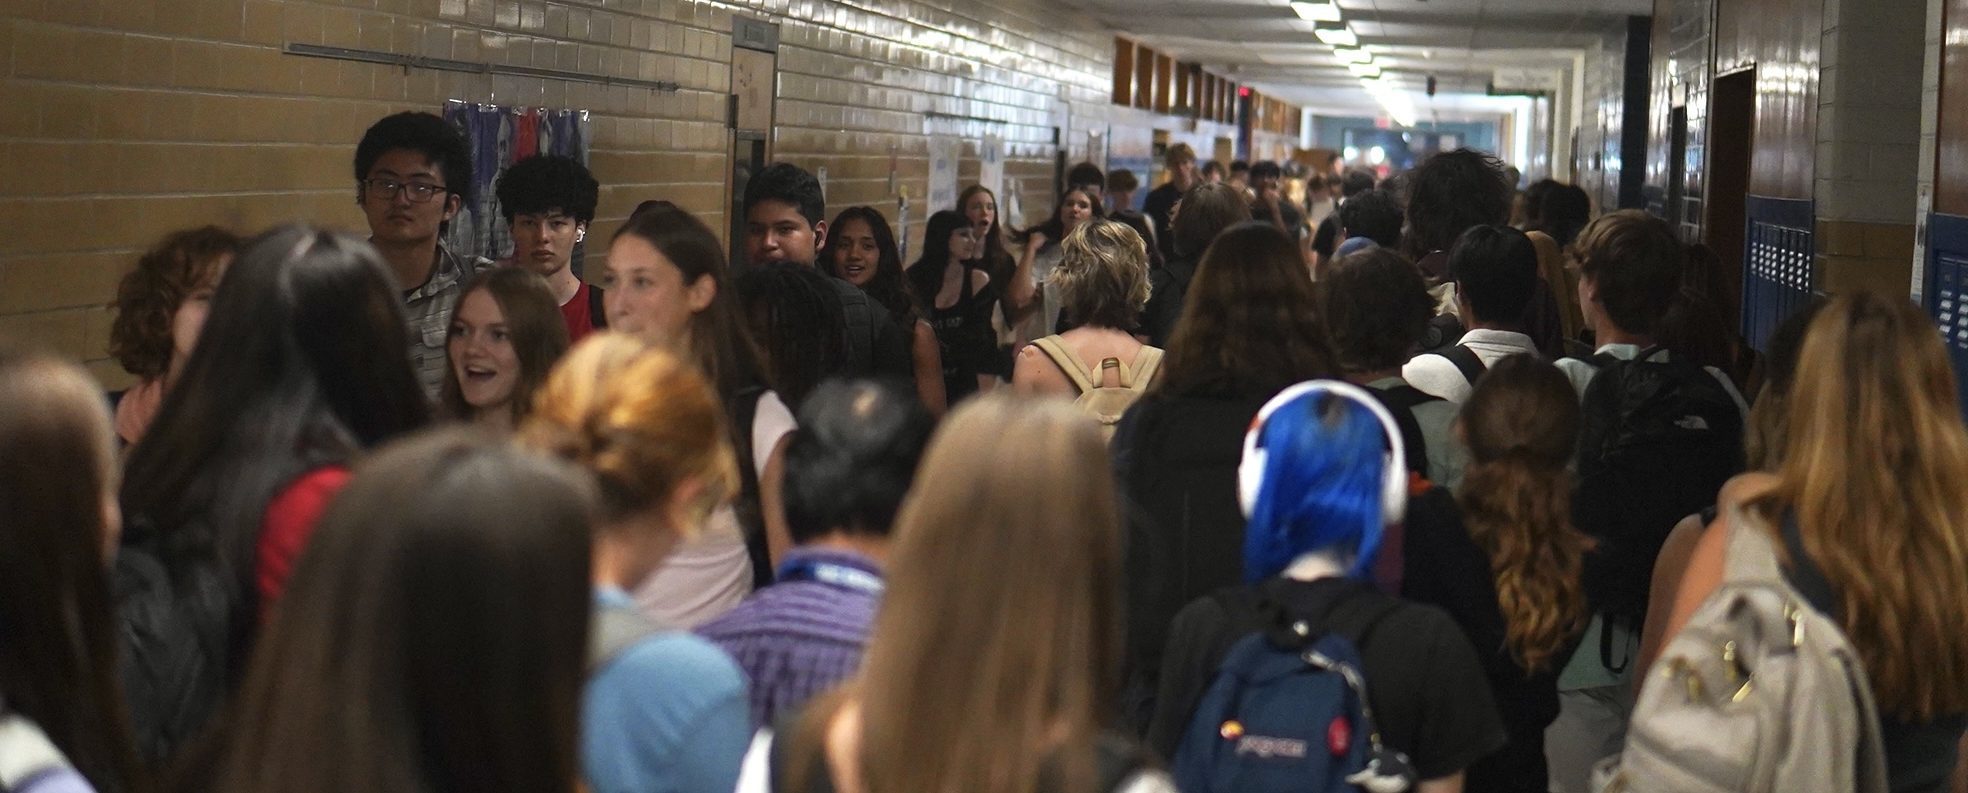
<point x="638" y="418"/>
<point x="1521" y="424"/>
<point x="1872" y="470"/>
<point x="1102" y="275"/>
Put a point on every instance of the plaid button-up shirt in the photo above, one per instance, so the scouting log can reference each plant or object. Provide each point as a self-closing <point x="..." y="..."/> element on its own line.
<point x="427" y="311"/>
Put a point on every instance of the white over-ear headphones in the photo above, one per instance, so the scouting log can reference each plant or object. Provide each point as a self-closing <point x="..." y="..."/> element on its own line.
<point x="1394" y="477"/>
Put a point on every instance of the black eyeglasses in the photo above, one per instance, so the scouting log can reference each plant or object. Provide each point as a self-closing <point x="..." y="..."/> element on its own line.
<point x="419" y="192"/>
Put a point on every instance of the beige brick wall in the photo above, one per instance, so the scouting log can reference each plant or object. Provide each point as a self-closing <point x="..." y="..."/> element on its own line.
<point x="121" y="120"/>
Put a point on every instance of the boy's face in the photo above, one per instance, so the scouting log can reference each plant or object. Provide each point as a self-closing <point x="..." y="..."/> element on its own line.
<point x="398" y="198"/>
<point x="775" y="231"/>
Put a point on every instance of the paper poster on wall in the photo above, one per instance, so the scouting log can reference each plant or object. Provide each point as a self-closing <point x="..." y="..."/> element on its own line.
<point x="990" y="172"/>
<point x="1097" y="148"/>
<point x="943" y="153"/>
<point x="1011" y="207"/>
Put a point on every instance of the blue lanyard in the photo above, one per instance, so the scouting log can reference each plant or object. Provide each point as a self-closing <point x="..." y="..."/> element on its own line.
<point x="829" y="573"/>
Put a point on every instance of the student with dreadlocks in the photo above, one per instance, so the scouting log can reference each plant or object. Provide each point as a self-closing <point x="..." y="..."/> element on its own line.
<point x="796" y="317"/>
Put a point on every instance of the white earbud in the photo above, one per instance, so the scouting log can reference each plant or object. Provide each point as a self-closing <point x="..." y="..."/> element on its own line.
<point x="1394" y="477"/>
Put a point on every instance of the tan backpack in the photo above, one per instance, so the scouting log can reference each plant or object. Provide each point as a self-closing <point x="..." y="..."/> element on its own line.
<point x="1759" y="693"/>
<point x="1104" y="403"/>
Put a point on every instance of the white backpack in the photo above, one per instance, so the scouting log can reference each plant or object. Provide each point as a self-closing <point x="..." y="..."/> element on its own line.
<point x="26" y="754"/>
<point x="1104" y="403"/>
<point x="1758" y="693"/>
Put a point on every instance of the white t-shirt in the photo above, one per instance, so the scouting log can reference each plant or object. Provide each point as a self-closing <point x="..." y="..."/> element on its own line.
<point x="706" y="577"/>
<point x="1438" y="376"/>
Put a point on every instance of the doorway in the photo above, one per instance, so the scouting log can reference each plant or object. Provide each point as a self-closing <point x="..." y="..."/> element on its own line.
<point x="1731" y="145"/>
<point x="754" y="93"/>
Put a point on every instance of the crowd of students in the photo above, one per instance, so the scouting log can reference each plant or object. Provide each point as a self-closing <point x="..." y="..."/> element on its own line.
<point x="1373" y="490"/>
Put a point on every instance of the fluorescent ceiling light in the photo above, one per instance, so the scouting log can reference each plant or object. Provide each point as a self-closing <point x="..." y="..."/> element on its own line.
<point x="1366" y="70"/>
<point x="1316" y="10"/>
<point x="1338" y="37"/>
<point x="1352" y="56"/>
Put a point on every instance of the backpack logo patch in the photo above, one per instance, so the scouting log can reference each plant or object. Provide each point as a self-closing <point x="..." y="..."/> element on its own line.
<point x="1264" y="747"/>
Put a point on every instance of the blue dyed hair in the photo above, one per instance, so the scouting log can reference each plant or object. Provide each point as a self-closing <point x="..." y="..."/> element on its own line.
<point x="1321" y="486"/>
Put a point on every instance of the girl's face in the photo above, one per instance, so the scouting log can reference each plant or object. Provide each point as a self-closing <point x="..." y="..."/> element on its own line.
<point x="1074" y="209"/>
<point x="481" y="350"/>
<point x="189" y="320"/>
<point x="645" y="293"/>
<point x="856" y="255"/>
<point x="982" y="211"/>
<point x="963" y="244"/>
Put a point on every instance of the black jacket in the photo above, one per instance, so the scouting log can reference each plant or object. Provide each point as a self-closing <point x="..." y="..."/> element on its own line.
<point x="1168" y="287"/>
<point x="1176" y="461"/>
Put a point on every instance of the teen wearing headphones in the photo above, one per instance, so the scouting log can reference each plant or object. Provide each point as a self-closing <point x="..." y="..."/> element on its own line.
<point x="1319" y="483"/>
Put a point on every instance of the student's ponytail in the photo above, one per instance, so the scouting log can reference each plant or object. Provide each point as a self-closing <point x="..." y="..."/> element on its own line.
<point x="1521" y="423"/>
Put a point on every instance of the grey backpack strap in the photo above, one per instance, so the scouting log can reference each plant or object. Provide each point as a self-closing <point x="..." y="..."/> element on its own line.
<point x="25" y="752"/>
<point x="615" y="629"/>
<point x="1751" y="557"/>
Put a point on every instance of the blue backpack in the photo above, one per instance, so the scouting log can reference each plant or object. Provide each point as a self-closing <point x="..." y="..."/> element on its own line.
<point x="1288" y="711"/>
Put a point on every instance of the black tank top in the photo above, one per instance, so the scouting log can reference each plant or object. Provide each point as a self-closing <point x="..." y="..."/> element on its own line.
<point x="964" y="333"/>
<point x="1919" y="755"/>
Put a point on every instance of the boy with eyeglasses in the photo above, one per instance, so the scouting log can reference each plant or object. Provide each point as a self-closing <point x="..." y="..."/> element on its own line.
<point x="413" y="173"/>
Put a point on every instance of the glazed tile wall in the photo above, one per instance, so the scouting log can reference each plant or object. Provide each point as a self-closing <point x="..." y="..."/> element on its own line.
<point x="1603" y="114"/>
<point x="1868" y="142"/>
<point x="1680" y="79"/>
<point x="1930" y="122"/>
<point x="1781" y="38"/>
<point x="130" y="118"/>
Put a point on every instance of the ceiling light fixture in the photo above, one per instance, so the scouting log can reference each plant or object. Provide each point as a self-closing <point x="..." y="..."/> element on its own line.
<point x="1345" y="55"/>
<point x="1338" y="37"/>
<point x="1316" y="10"/>
<point x="1364" y="70"/>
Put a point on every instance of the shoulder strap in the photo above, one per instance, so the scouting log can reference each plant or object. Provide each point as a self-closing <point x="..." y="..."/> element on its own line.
<point x="615" y="630"/>
<point x="597" y="312"/>
<point x="25" y="752"/>
<point x="1147" y="362"/>
<point x="1066" y="361"/>
<point x="1400" y="404"/>
<point x="1752" y="554"/>
<point x="1466" y="361"/>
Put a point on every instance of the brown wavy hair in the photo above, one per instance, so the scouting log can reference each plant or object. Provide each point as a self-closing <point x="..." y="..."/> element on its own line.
<point x="641" y="420"/>
<point x="1251" y="322"/>
<point x="1875" y="454"/>
<point x="1522" y="426"/>
<point x="57" y="465"/>
<point x="532" y="319"/>
<point x="149" y="295"/>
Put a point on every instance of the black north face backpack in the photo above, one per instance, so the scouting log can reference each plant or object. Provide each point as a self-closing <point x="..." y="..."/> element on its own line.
<point x="1657" y="440"/>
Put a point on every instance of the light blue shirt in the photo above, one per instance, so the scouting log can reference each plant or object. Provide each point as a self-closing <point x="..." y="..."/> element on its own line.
<point x="667" y="715"/>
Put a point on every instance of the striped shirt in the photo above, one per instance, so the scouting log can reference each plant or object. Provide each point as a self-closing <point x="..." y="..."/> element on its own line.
<point x="427" y="314"/>
<point x="804" y="635"/>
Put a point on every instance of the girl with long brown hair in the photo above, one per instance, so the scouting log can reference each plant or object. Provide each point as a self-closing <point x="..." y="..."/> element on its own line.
<point x="58" y="522"/>
<point x="989" y="667"/>
<point x="667" y="282"/>
<point x="432" y="638"/>
<point x="1251" y="327"/>
<point x="1508" y="572"/>
<point x="1868" y="507"/>
<point x="505" y="334"/>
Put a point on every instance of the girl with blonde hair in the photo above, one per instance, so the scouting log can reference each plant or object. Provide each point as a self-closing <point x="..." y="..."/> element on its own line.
<point x="989" y="667"/>
<point x="1867" y="507"/>
<point x="663" y="709"/>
